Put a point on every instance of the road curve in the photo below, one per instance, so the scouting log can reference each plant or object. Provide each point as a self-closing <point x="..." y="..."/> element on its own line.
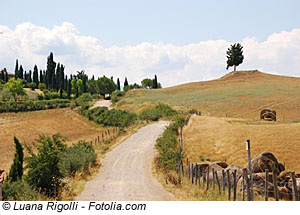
<point x="125" y="174"/>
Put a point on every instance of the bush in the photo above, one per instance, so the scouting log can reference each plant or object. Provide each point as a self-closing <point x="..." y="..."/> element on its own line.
<point x="18" y="191"/>
<point x="119" y="118"/>
<point x="92" y="114"/>
<point x="42" y="86"/>
<point x="157" y="112"/>
<point x="43" y="171"/>
<point x="115" y="96"/>
<point x="169" y="153"/>
<point x="77" y="157"/>
<point x="84" y="99"/>
<point x="31" y="85"/>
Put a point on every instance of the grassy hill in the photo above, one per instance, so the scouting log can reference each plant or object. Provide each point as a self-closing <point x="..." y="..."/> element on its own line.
<point x="240" y="94"/>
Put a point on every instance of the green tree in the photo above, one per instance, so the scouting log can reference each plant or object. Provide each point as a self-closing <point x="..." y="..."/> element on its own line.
<point x="235" y="55"/>
<point x="125" y="82"/>
<point x="69" y="90"/>
<point x="105" y="86"/>
<point x="80" y="86"/>
<point x="21" y="71"/>
<point x="2" y="75"/>
<point x="36" y="76"/>
<point x="118" y="84"/>
<point x="16" y="170"/>
<point x="74" y="85"/>
<point x="15" y="87"/>
<point x="17" y="69"/>
<point x="147" y="83"/>
<point x="51" y="65"/>
<point x="6" y="76"/>
<point x="155" y="84"/>
<point x="43" y="164"/>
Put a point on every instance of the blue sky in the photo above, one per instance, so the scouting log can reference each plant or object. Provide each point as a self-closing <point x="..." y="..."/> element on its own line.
<point x="178" y="40"/>
<point x="171" y="21"/>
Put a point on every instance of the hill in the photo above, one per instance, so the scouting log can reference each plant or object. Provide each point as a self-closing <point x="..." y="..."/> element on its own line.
<point x="240" y="94"/>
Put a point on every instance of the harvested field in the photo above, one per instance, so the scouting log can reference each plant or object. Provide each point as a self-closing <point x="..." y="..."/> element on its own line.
<point x="223" y="139"/>
<point x="27" y="126"/>
<point x="240" y="94"/>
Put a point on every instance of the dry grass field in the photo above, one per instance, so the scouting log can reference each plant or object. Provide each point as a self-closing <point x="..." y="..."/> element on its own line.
<point x="241" y="94"/>
<point x="223" y="139"/>
<point x="27" y="126"/>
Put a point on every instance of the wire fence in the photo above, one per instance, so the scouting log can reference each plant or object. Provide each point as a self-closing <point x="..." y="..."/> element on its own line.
<point x="239" y="181"/>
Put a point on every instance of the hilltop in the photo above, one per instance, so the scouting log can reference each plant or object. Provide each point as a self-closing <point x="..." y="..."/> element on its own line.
<point x="239" y="94"/>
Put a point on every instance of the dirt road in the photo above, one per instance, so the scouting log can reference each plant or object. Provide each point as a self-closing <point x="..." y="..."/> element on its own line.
<point x="102" y="103"/>
<point x="125" y="174"/>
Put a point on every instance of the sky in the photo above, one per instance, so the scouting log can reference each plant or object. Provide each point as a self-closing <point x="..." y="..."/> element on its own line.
<point x="180" y="41"/>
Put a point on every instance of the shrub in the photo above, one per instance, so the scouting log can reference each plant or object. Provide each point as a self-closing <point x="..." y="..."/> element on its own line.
<point x="77" y="157"/>
<point x="18" y="191"/>
<point x="93" y="113"/>
<point x="150" y="114"/>
<point x="42" y="86"/>
<point x="31" y="85"/>
<point x="43" y="170"/>
<point x="84" y="99"/>
<point x="119" y="118"/>
<point x="169" y="152"/>
<point x="16" y="170"/>
<point x="157" y="112"/>
<point x="115" y="96"/>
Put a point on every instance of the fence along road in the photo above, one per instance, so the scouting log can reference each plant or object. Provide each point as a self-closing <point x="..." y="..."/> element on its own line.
<point x="125" y="174"/>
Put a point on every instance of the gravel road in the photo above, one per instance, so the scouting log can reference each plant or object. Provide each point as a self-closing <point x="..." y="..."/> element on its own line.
<point x="102" y="103"/>
<point x="125" y="174"/>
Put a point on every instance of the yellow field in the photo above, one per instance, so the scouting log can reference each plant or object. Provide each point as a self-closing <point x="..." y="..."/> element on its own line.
<point x="241" y="94"/>
<point x="27" y="126"/>
<point x="223" y="139"/>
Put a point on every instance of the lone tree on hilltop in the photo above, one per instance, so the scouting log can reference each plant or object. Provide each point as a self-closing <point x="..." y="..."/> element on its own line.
<point x="235" y="55"/>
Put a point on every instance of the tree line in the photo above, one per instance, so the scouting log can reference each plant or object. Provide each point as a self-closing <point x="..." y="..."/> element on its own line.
<point x="54" y="79"/>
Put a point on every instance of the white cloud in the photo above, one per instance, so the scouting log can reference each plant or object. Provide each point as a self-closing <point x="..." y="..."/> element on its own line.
<point x="31" y="44"/>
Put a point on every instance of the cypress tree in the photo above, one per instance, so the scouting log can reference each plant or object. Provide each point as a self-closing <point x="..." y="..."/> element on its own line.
<point x="41" y="77"/>
<point x="69" y="88"/>
<point x="17" y="69"/>
<point x="25" y="76"/>
<point x="30" y="76"/>
<point x="36" y="76"/>
<point x="20" y="73"/>
<point x="6" y="76"/>
<point x="118" y="84"/>
<point x="155" y="82"/>
<point x="16" y="170"/>
<point x="93" y="78"/>
<point x="53" y="82"/>
<point x="2" y="75"/>
<point x="125" y="82"/>
<point x="84" y="87"/>
<point x="51" y="65"/>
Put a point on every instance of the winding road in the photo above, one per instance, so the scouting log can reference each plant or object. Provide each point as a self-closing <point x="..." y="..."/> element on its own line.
<point x="125" y="174"/>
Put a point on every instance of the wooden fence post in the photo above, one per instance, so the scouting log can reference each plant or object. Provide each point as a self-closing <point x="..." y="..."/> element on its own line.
<point x="189" y="170"/>
<point x="243" y="187"/>
<point x="234" y="185"/>
<point x="182" y="169"/>
<point x="295" y="187"/>
<point x="196" y="173"/>
<point x="229" y="184"/>
<point x="223" y="180"/>
<point x="207" y="179"/>
<point x="266" y="185"/>
<point x="250" y="169"/>
<point x="199" y="178"/>
<point x="247" y="184"/>
<point x="275" y="183"/>
<point x="192" y="173"/>
<point x="218" y="182"/>
<point x="213" y="172"/>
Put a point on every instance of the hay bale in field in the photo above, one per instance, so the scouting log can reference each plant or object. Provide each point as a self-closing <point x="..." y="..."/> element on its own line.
<point x="284" y="176"/>
<point x="268" y="115"/>
<point x="264" y="161"/>
<point x="218" y="165"/>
